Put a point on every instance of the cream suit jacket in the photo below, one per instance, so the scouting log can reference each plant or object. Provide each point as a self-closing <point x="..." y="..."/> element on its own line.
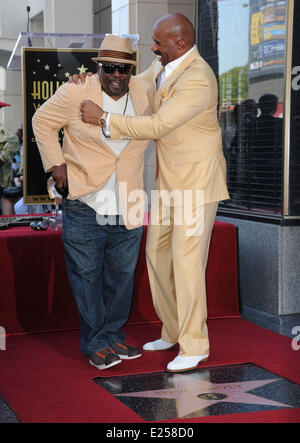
<point x="185" y="127"/>
<point x="90" y="161"/>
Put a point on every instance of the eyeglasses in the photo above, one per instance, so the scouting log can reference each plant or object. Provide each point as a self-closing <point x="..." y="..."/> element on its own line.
<point x="110" y="68"/>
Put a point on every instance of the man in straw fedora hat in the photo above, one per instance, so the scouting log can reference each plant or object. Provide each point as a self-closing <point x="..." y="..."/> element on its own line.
<point x="185" y="126"/>
<point x="101" y="244"/>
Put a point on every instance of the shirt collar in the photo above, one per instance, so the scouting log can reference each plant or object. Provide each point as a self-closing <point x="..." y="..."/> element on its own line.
<point x="170" y="67"/>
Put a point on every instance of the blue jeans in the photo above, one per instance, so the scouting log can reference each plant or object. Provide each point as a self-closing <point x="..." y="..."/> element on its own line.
<point x="101" y="261"/>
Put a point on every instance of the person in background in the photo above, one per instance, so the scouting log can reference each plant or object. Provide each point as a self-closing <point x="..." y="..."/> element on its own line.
<point x="230" y="140"/>
<point x="9" y="147"/>
<point x="268" y="148"/>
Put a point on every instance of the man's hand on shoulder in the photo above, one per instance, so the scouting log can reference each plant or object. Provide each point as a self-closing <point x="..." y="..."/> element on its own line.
<point x="79" y="79"/>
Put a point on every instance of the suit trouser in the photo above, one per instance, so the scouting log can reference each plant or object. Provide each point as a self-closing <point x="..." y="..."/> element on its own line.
<point x="176" y="266"/>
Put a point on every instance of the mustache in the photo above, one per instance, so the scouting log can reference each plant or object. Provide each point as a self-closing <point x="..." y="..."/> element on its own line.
<point x="157" y="52"/>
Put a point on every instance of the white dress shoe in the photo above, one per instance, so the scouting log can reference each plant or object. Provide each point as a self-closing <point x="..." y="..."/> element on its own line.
<point x="158" y="345"/>
<point x="181" y="364"/>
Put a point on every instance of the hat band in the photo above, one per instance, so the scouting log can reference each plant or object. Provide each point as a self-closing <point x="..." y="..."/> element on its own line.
<point x="115" y="54"/>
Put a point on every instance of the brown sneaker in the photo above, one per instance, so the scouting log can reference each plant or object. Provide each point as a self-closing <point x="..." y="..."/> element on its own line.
<point x="105" y="358"/>
<point x="126" y="351"/>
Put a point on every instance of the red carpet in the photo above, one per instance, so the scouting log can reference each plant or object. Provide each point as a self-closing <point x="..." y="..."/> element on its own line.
<point x="44" y="378"/>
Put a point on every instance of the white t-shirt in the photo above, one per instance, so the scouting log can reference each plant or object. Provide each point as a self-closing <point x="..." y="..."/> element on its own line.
<point x="105" y="201"/>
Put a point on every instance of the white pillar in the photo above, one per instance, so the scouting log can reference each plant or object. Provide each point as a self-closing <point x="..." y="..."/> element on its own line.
<point x="68" y="16"/>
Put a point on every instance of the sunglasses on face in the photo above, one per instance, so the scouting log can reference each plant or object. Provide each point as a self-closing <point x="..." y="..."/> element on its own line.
<point x="110" y="68"/>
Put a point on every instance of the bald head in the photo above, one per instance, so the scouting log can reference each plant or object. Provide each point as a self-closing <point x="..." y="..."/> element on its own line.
<point x="178" y="26"/>
<point x="173" y="36"/>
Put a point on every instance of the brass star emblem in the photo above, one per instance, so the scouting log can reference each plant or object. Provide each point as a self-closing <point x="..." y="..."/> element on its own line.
<point x="82" y="69"/>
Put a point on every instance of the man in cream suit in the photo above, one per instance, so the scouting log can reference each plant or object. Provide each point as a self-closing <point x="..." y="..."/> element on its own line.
<point x="101" y="243"/>
<point x="189" y="158"/>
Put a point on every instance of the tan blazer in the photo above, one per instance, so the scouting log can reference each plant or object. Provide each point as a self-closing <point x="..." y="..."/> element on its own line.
<point x="185" y="127"/>
<point x="90" y="161"/>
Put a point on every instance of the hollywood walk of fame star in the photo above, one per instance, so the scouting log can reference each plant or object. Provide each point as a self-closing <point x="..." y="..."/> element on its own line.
<point x="82" y="69"/>
<point x="192" y="394"/>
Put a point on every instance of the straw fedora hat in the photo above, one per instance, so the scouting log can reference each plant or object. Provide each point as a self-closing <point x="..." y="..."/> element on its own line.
<point x="116" y="49"/>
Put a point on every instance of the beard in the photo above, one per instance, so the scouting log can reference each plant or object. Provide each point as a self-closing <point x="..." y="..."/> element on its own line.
<point x="114" y="89"/>
<point x="119" y="86"/>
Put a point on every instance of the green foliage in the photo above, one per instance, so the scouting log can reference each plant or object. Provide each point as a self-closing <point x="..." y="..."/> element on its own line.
<point x="233" y="86"/>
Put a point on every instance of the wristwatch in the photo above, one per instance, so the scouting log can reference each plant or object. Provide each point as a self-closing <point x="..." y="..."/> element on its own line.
<point x="102" y="120"/>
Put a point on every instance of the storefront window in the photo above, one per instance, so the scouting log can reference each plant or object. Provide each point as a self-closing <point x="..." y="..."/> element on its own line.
<point x="244" y="42"/>
<point x="294" y="163"/>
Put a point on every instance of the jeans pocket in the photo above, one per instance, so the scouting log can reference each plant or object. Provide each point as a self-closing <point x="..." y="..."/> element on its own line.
<point x="77" y="216"/>
<point x="72" y="204"/>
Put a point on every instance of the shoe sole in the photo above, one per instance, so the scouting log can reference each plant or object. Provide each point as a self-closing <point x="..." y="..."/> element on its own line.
<point x="163" y="349"/>
<point x="125" y="357"/>
<point x="188" y="369"/>
<point x="102" y="367"/>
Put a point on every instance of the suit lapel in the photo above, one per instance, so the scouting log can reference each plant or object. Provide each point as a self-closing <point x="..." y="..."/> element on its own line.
<point x="138" y="97"/>
<point x="158" y="90"/>
<point x="94" y="92"/>
<point x="158" y="75"/>
<point x="164" y="88"/>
